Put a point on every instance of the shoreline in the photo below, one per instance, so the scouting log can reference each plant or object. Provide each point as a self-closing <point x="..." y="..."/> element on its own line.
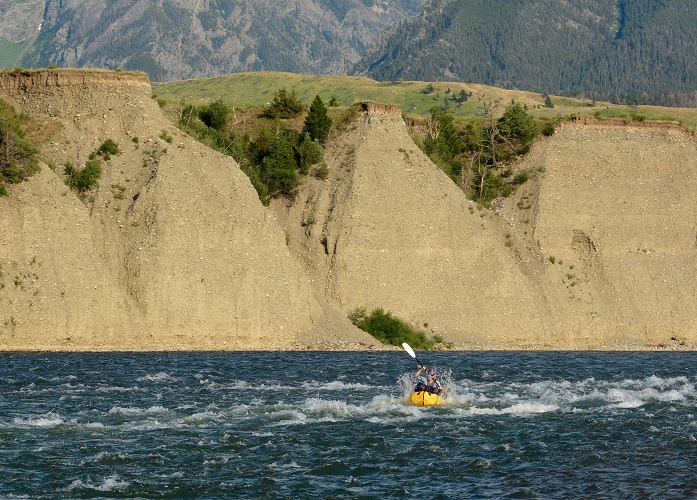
<point x="350" y="347"/>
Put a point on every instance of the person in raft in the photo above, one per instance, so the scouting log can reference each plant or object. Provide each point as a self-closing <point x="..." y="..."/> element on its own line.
<point x="427" y="383"/>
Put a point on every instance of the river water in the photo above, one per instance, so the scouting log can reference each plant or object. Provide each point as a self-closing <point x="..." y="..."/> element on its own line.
<point x="336" y="425"/>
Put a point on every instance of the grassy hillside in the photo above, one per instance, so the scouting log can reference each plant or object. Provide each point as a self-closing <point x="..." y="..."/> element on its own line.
<point x="11" y="53"/>
<point x="254" y="90"/>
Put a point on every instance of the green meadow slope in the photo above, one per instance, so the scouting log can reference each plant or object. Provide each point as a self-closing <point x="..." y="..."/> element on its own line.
<point x="416" y="98"/>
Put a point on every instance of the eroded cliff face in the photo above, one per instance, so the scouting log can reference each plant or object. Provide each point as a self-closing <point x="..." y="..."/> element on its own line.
<point x="173" y="250"/>
<point x="612" y="214"/>
<point x="598" y="250"/>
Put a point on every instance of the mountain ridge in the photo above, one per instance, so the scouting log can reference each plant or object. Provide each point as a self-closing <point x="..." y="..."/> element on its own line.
<point x="172" y="40"/>
<point x="639" y="52"/>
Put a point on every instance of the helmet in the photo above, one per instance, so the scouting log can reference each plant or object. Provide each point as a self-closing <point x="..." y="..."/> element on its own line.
<point x="431" y="371"/>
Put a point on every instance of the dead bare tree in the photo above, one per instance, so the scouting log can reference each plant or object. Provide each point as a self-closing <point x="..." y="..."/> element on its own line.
<point x="490" y="107"/>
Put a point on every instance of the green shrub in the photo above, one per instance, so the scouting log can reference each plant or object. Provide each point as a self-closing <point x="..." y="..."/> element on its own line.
<point x="166" y="137"/>
<point x="3" y="190"/>
<point x="521" y="178"/>
<point x="18" y="158"/>
<point x="389" y="329"/>
<point x="321" y="171"/>
<point x="107" y="149"/>
<point x="548" y="129"/>
<point x="215" y="115"/>
<point x="311" y="152"/>
<point x="85" y="179"/>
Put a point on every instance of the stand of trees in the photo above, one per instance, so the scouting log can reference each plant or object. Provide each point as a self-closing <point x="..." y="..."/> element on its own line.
<point x="277" y="159"/>
<point x="476" y="156"/>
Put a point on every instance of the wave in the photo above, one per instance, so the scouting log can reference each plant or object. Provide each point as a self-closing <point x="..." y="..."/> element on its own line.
<point x="47" y="420"/>
<point x="551" y="395"/>
<point x="338" y="400"/>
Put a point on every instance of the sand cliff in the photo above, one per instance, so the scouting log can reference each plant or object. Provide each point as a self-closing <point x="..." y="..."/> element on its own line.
<point x="598" y="250"/>
<point x="174" y="250"/>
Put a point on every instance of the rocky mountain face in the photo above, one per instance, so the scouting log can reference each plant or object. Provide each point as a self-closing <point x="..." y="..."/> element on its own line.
<point x="173" y="250"/>
<point x="186" y="39"/>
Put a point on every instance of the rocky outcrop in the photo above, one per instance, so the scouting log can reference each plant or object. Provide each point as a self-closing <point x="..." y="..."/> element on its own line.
<point x="173" y="250"/>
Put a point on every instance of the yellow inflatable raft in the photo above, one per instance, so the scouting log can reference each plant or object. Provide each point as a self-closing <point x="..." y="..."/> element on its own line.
<point x="424" y="398"/>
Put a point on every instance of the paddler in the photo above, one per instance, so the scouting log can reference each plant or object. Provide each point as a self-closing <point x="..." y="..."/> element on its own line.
<point x="429" y="383"/>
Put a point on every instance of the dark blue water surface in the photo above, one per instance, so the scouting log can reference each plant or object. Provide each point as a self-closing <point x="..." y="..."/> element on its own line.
<point x="336" y="425"/>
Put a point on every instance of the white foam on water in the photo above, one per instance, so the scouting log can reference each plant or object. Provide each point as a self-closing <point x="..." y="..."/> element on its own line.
<point x="156" y="377"/>
<point x="219" y="460"/>
<point x="551" y="395"/>
<point x="529" y="408"/>
<point x="48" y="420"/>
<point x="482" y="411"/>
<point x="280" y="467"/>
<point x="110" y="389"/>
<point x="102" y="456"/>
<point x="200" y="417"/>
<point x="153" y="410"/>
<point x="110" y="483"/>
<point x="290" y="418"/>
<point x="243" y="385"/>
<point x="338" y="385"/>
<point x="94" y="425"/>
<point x="621" y="398"/>
<point x="151" y="425"/>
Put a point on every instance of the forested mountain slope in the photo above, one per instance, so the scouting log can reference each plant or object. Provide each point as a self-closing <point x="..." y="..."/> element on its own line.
<point x="183" y="39"/>
<point x="640" y="51"/>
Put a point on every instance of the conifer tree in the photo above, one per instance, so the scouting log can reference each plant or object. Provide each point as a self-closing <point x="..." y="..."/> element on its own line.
<point x="317" y="123"/>
<point x="279" y="167"/>
<point x="284" y="105"/>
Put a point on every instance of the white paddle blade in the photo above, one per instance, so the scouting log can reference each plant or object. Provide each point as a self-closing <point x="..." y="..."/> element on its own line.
<point x="408" y="348"/>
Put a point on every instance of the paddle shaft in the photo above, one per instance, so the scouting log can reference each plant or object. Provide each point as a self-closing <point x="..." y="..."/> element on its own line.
<point x="411" y="353"/>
